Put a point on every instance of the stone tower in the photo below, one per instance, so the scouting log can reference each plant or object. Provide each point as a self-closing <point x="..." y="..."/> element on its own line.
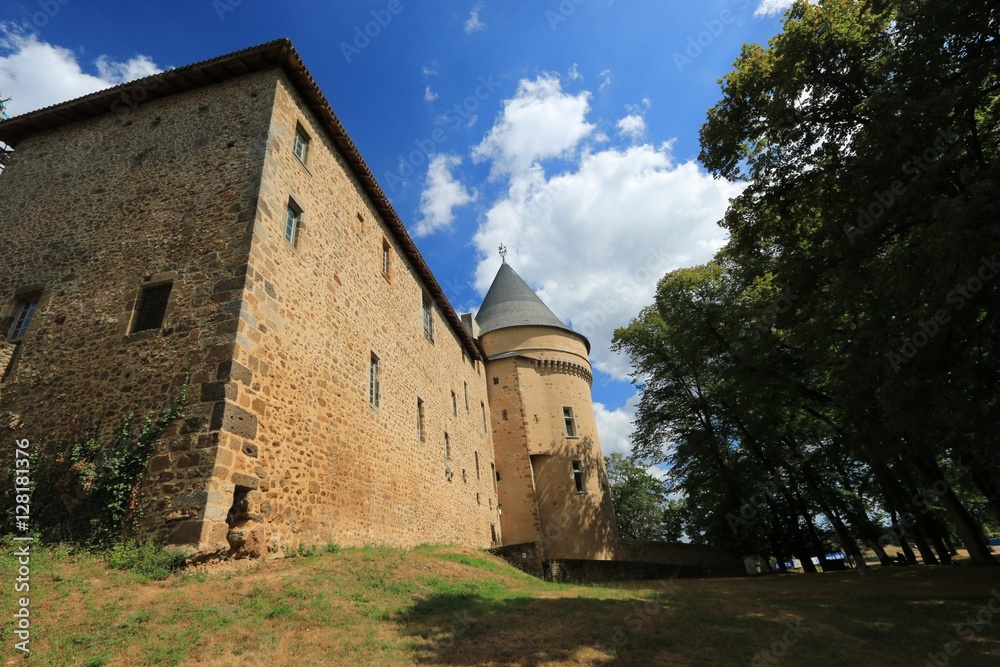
<point x="552" y="485"/>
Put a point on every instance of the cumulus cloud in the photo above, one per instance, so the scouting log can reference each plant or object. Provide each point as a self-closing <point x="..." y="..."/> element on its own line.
<point x="442" y="193"/>
<point x="594" y="238"/>
<point x="430" y="95"/>
<point x="37" y="74"/>
<point x="632" y="126"/>
<point x="774" y="7"/>
<point x="473" y="24"/>
<point x="614" y="427"/>
<point x="539" y="122"/>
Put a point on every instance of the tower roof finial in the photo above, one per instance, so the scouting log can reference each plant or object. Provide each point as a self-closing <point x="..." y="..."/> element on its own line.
<point x="503" y="253"/>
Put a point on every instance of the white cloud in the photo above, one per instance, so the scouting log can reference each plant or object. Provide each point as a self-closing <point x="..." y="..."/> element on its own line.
<point x="606" y="75"/>
<point x="594" y="239"/>
<point x="427" y="71"/>
<point x="774" y="7"/>
<point x="574" y="73"/>
<point x="614" y="427"/>
<point x="539" y="122"/>
<point x="441" y="194"/>
<point x="430" y="95"/>
<point x="473" y="24"/>
<point x="37" y="74"/>
<point x="632" y="126"/>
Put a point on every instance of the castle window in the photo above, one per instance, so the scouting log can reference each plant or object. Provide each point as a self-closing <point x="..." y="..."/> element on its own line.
<point x="23" y="320"/>
<point x="301" y="145"/>
<point x="150" y="307"/>
<point x="482" y="406"/>
<point x="477" y="465"/>
<point x="496" y="381"/>
<point x="504" y="415"/>
<point x="570" y="422"/>
<point x="374" y="383"/>
<point x="428" y="316"/>
<point x="454" y="404"/>
<point x="578" y="476"/>
<point x="467" y="397"/>
<point x="420" y="420"/>
<point x="385" y="258"/>
<point x="495" y="475"/>
<point x="447" y="446"/>
<point x="293" y="222"/>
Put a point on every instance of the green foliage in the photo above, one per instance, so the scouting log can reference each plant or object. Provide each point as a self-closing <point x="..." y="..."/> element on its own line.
<point x="87" y="492"/>
<point x="834" y="360"/>
<point x="640" y="501"/>
<point x="148" y="560"/>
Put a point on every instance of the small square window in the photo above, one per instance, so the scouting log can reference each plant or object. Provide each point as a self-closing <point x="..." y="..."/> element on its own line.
<point x="151" y="307"/>
<point x="22" y="320"/>
<point x="570" y="421"/>
<point x="293" y="222"/>
<point x="374" y="382"/>
<point x="301" y="145"/>
<point x="496" y="381"/>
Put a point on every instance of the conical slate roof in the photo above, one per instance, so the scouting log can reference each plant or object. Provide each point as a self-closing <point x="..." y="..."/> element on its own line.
<point x="511" y="303"/>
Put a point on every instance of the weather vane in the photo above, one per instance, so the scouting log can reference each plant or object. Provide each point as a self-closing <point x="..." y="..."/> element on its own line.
<point x="503" y="253"/>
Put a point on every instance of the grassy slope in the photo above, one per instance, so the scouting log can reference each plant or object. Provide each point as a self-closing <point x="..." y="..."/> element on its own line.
<point x="453" y="606"/>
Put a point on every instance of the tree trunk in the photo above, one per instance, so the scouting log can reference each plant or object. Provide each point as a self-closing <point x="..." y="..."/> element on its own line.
<point x="895" y="493"/>
<point x="969" y="531"/>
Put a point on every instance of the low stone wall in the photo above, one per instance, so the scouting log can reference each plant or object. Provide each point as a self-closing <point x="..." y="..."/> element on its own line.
<point x="691" y="558"/>
<point x="525" y="557"/>
<point x="635" y="560"/>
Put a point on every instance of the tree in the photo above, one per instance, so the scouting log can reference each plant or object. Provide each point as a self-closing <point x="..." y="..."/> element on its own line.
<point x="640" y="501"/>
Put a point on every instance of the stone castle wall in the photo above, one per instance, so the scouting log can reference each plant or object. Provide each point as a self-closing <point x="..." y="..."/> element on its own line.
<point x="91" y="211"/>
<point x="320" y="462"/>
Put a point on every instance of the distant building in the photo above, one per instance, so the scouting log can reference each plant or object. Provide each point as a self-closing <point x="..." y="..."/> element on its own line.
<point x="215" y="222"/>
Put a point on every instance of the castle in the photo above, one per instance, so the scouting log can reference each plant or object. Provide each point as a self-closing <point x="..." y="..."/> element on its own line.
<point x="215" y="225"/>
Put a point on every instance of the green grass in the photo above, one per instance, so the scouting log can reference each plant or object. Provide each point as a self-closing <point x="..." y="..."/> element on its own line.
<point x="443" y="605"/>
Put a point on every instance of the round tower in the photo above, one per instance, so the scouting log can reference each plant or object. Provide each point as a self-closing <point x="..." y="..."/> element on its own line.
<point x="552" y="485"/>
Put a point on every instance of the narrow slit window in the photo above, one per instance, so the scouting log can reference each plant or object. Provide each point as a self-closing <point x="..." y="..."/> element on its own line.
<point x="504" y="415"/>
<point x="454" y="403"/>
<point x="293" y="223"/>
<point x="482" y="406"/>
<point x="301" y="145"/>
<point x="495" y="475"/>
<point x="385" y="258"/>
<point x="374" y="382"/>
<point x="151" y="307"/>
<point x="477" y="465"/>
<point x="447" y="446"/>
<point x="467" y="397"/>
<point x="570" y="422"/>
<point x="420" y="419"/>
<point x="578" y="476"/>
<point x="428" y="317"/>
<point x="22" y="320"/>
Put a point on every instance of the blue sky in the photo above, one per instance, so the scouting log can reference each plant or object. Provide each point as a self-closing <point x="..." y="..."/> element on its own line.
<point x="565" y="129"/>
